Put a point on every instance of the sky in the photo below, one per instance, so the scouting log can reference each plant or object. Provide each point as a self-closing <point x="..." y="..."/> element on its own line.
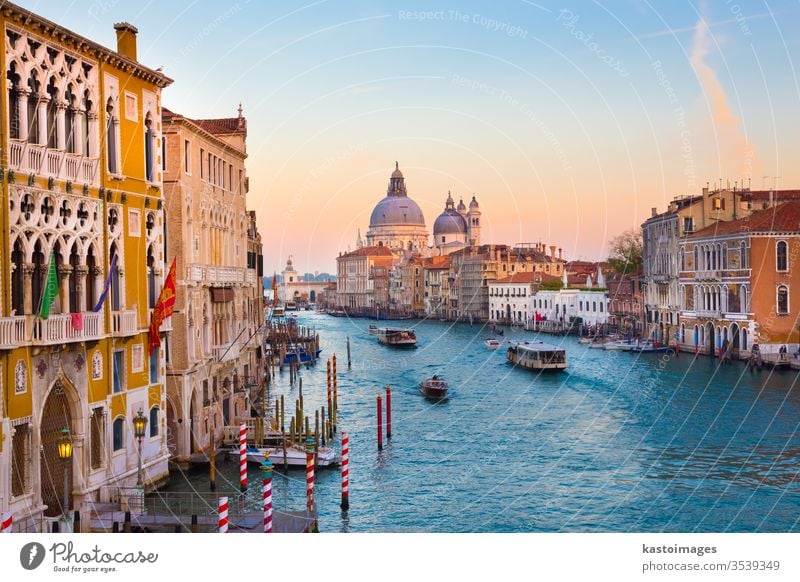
<point x="569" y="121"/>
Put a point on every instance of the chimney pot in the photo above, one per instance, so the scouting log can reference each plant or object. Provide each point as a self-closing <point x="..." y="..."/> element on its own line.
<point x="653" y="211"/>
<point x="553" y="251"/>
<point x="126" y="39"/>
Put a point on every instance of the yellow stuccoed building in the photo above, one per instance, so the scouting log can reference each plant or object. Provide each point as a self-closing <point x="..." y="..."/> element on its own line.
<point x="81" y="182"/>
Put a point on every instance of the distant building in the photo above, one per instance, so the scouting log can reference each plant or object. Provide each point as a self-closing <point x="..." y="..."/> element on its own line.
<point x="573" y="307"/>
<point x="295" y="287"/>
<point x="456" y="228"/>
<point x="509" y="297"/>
<point x="397" y="221"/>
<point x="355" y="276"/>
<point x="436" y="293"/>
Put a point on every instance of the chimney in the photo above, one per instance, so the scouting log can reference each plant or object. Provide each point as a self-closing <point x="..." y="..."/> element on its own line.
<point x="705" y="191"/>
<point x="126" y="39"/>
<point x="559" y="253"/>
<point x="553" y="251"/>
<point x="653" y="211"/>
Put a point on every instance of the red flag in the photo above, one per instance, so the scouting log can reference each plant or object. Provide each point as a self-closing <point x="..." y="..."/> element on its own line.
<point x="164" y="307"/>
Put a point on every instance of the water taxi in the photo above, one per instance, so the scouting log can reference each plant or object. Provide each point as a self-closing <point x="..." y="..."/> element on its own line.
<point x="277" y="311"/>
<point x="620" y="345"/>
<point x="397" y="337"/>
<point x="434" y="387"/>
<point x="537" y="356"/>
<point x="649" y="347"/>
<point x="373" y="329"/>
<point x="491" y="343"/>
<point x="291" y="306"/>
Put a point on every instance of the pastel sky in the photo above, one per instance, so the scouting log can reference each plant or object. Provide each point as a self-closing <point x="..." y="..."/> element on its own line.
<point x="568" y="120"/>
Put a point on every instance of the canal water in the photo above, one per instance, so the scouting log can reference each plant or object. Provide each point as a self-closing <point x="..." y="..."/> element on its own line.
<point x="618" y="442"/>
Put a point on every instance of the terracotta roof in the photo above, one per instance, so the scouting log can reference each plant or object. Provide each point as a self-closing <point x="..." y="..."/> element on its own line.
<point x="781" y="218"/>
<point x="777" y="194"/>
<point x="378" y="251"/>
<point x="527" y="277"/>
<point x="435" y="263"/>
<point x="222" y="126"/>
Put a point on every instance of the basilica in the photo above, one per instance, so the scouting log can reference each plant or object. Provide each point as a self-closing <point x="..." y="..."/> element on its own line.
<point x="397" y="222"/>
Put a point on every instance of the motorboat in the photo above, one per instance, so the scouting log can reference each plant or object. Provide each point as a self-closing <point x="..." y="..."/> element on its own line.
<point x="537" y="356"/>
<point x="295" y="455"/>
<point x="373" y="329"/>
<point x="649" y="347"/>
<point x="397" y="337"/>
<point x="434" y="387"/>
<point x="620" y="345"/>
<point x="491" y="343"/>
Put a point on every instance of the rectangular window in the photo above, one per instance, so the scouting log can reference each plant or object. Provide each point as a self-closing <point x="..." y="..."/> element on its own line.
<point x="154" y="365"/>
<point x="230" y="177"/>
<point x="97" y="436"/>
<point x="153" y="424"/>
<point x="202" y="157"/>
<point x="119" y="371"/>
<point x="20" y="459"/>
<point x="118" y="436"/>
<point x="111" y="142"/>
<point x="687" y="224"/>
<point x="241" y="186"/>
<point x="187" y="157"/>
<point x="210" y="168"/>
<point x="163" y="154"/>
<point x="205" y="392"/>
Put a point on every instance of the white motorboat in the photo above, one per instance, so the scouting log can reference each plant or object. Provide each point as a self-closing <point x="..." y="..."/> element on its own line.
<point x="620" y="345"/>
<point x="295" y="455"/>
<point x="537" y="356"/>
<point x="373" y="329"/>
<point x="491" y="343"/>
<point x="649" y="347"/>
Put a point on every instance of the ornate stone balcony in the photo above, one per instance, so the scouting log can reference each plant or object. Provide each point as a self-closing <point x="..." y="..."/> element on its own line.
<point x="124" y="323"/>
<point x="61" y="328"/>
<point x="30" y="158"/>
<point x="225" y="352"/>
<point x="13" y="331"/>
<point x="215" y="274"/>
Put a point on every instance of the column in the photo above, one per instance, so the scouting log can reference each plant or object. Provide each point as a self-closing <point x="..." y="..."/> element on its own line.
<point x="23" y="114"/>
<point x="27" y="287"/>
<point x="92" y="128"/>
<point x="64" y="271"/>
<point x="77" y="131"/>
<point x="97" y="274"/>
<point x="41" y="112"/>
<point x="61" y="136"/>
<point x="80" y="285"/>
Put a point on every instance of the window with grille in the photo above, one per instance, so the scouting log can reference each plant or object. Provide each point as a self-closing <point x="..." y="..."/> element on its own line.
<point x="20" y="461"/>
<point x="98" y="435"/>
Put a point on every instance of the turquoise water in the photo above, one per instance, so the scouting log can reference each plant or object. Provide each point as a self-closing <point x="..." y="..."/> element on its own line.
<point x="619" y="442"/>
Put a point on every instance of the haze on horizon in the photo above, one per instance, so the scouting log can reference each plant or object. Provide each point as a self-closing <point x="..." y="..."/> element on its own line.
<point x="569" y="122"/>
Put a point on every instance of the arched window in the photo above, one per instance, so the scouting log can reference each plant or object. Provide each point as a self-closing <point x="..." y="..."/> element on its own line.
<point x="782" y="300"/>
<point x="83" y="147"/>
<point x="52" y="134"/>
<point x="17" y="279"/>
<point x="13" y="102"/>
<point x="725" y="256"/>
<point x="153" y="424"/>
<point x="116" y="288"/>
<point x="781" y="259"/>
<point x="74" y="298"/>
<point x="39" y="270"/>
<point x="744" y="299"/>
<point x="91" y="279"/>
<point x="33" y="105"/>
<point x="743" y="253"/>
<point x="111" y="139"/>
<point x="118" y="431"/>
<point x="148" y="148"/>
<point x="69" y="120"/>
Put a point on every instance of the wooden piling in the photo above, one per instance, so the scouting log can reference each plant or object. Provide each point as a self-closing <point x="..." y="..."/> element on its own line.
<point x="380" y="424"/>
<point x="283" y="442"/>
<point x="195" y="527"/>
<point x="324" y="428"/>
<point x="291" y="431"/>
<point x="348" y="352"/>
<point x="316" y="437"/>
<point x="308" y="432"/>
<point x="388" y="413"/>
<point x="126" y="526"/>
<point x="283" y="417"/>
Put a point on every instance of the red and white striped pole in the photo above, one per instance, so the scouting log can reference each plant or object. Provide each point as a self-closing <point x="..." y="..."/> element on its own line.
<point x="310" y="476"/>
<point x="243" y="457"/>
<point x="266" y="468"/>
<point x="6" y="522"/>
<point x="345" y="471"/>
<point x="223" y="515"/>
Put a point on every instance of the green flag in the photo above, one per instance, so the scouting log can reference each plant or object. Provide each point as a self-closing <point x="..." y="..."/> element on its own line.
<point x="50" y="290"/>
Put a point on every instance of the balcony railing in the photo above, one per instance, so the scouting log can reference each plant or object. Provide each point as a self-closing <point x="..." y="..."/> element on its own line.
<point x="124" y="323"/>
<point x="65" y="327"/>
<point x="13" y="331"/>
<point x="225" y="352"/>
<point x="38" y="159"/>
<point x="216" y="274"/>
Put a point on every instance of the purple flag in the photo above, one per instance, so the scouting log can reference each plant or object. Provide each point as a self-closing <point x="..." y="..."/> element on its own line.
<point x="107" y="285"/>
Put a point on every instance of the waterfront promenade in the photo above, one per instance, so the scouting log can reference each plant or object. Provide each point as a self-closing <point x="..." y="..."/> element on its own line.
<point x="619" y="442"/>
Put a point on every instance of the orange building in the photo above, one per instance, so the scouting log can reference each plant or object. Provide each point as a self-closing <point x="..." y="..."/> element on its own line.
<point x="736" y="282"/>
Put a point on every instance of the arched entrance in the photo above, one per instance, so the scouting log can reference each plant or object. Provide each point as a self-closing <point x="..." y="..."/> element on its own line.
<point x="194" y="425"/>
<point x="712" y="345"/>
<point x="735" y="341"/>
<point x="312" y="296"/>
<point x="172" y="428"/>
<point x="54" y="472"/>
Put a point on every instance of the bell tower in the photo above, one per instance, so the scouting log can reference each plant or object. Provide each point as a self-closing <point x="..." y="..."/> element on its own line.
<point x="474" y="223"/>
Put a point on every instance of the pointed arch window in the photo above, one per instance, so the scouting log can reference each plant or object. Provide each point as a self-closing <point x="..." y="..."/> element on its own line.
<point x="74" y="288"/>
<point x="116" y="291"/>
<point x="111" y="139"/>
<point x="33" y="106"/>
<point x="13" y="102"/>
<point x="782" y="300"/>
<point x="18" y="279"/>
<point x="151" y="278"/>
<point x="148" y="148"/>
<point x="52" y="105"/>
<point x="69" y="120"/>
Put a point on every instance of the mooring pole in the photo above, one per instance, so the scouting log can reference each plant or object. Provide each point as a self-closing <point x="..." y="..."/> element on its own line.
<point x="380" y="424"/>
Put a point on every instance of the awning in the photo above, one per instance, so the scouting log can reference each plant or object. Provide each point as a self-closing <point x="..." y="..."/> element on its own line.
<point x="221" y="294"/>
